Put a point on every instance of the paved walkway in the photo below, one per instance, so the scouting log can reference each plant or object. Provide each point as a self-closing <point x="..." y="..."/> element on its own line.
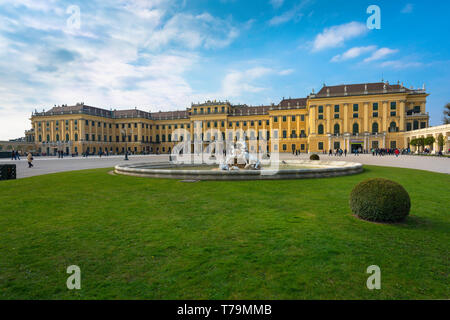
<point x="53" y="165"/>
<point x="428" y="163"/>
<point x="47" y="165"/>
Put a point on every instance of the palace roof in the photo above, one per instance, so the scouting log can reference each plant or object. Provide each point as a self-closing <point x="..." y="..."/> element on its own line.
<point x="359" y="89"/>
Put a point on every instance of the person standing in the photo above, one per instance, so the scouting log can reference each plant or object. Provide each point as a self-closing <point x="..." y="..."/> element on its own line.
<point x="13" y="155"/>
<point x="30" y="160"/>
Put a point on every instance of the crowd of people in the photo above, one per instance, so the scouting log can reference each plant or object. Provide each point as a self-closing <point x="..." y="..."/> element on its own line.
<point x="389" y="151"/>
<point x="375" y="152"/>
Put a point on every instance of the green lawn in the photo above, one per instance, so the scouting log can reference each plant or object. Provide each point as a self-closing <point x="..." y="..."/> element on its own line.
<point x="164" y="239"/>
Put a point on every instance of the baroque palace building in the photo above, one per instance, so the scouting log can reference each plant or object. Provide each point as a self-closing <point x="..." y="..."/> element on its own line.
<point x="352" y="116"/>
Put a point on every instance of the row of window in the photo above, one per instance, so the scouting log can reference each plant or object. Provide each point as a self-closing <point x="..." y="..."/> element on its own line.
<point x="294" y="147"/>
<point x="356" y="107"/>
<point x="356" y="115"/>
<point x="284" y="118"/>
<point x="415" y="125"/>
<point x="57" y="137"/>
<point x="57" y="123"/>
<point x="355" y="129"/>
<point x="209" y="110"/>
<point x="375" y="145"/>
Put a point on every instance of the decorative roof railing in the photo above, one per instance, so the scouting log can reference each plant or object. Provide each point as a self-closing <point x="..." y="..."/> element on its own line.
<point x="367" y="92"/>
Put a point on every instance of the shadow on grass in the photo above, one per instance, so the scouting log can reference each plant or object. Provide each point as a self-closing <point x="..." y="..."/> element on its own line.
<point x="412" y="222"/>
<point x="415" y="222"/>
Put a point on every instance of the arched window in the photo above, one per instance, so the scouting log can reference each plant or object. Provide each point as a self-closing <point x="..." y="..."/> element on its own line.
<point x="57" y="137"/>
<point x="48" y="138"/>
<point x="157" y="138"/>
<point x="163" y="138"/>
<point x="40" y="138"/>
<point x="393" y="127"/>
<point x="415" y="125"/>
<point x="336" y="129"/>
<point x="170" y="137"/>
<point x="76" y="136"/>
<point x="67" y="137"/>
<point x="355" y="129"/>
<point x="320" y="129"/>
<point x="375" y="127"/>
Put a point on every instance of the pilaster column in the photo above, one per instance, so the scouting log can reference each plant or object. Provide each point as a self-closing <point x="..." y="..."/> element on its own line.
<point x="271" y="127"/>
<point x="402" y="115"/>
<point x="289" y="125"/>
<point x="328" y="118"/>
<point x="345" y="129"/>
<point x="366" y="117"/>
<point x="312" y="119"/>
<point x="385" y="118"/>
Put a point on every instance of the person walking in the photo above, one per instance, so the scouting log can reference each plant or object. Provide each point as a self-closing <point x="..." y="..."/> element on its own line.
<point x="396" y="152"/>
<point x="17" y="155"/>
<point x="30" y="160"/>
<point x="13" y="155"/>
<point x="345" y="152"/>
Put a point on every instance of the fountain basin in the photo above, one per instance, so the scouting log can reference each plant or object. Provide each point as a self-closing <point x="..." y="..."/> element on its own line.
<point x="288" y="169"/>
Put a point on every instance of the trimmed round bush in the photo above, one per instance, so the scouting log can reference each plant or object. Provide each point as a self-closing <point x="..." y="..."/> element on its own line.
<point x="380" y="200"/>
<point x="314" y="157"/>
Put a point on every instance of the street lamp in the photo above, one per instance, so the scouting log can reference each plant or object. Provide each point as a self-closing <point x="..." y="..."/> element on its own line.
<point x="126" y="145"/>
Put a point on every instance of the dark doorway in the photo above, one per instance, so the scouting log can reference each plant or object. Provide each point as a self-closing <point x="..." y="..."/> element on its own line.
<point x="356" y="147"/>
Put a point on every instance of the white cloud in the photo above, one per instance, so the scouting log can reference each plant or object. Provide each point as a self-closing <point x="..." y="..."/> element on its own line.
<point x="236" y="83"/>
<point x="292" y="14"/>
<point x="400" y="64"/>
<point x="286" y="72"/>
<point x="276" y="3"/>
<point x="36" y="5"/>
<point x="335" y="36"/>
<point x="353" y="53"/>
<point x="191" y="31"/>
<point x="380" y="54"/>
<point x="408" y="8"/>
<point x="116" y="70"/>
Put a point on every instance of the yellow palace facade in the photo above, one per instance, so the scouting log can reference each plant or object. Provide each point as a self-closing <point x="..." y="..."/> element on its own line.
<point x="354" y="116"/>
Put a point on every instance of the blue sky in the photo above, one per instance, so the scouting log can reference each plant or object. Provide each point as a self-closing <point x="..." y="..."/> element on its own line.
<point x="165" y="54"/>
